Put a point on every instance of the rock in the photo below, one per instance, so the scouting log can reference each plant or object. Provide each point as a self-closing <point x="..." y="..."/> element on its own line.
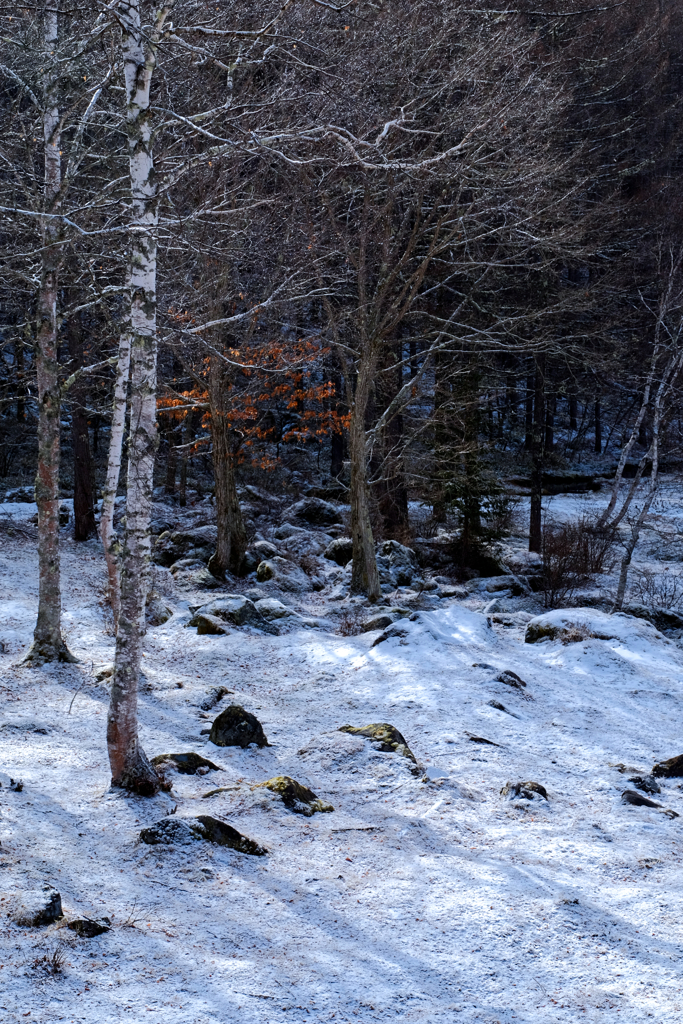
<point x="662" y="618"/>
<point x="186" y="764"/>
<point x="198" y="544"/>
<point x="511" y="678"/>
<point x="305" y="543"/>
<point x="209" y="625"/>
<point x="236" y="727"/>
<point x="157" y="610"/>
<point x="88" y="927"/>
<point x="104" y="672"/>
<point x="264" y="548"/>
<point x="480" y="739"/>
<point x="315" y="511"/>
<point x="234" y="609"/>
<point x="523" y="790"/>
<point x="671" y="769"/>
<point x="183" y="831"/>
<point x="647" y="784"/>
<point x="285" y="574"/>
<point x="21" y="494"/>
<point x="397" y="564"/>
<point x="213" y="697"/>
<point x="296" y="797"/>
<point x="271" y="608"/>
<point x="254" y="555"/>
<point x="34" y="907"/>
<point x="7" y="782"/>
<point x="327" y="489"/>
<point x="339" y="551"/>
<point x="385" y="736"/>
<point x="286" y="530"/>
<point x="378" y="622"/>
<point x="501" y="707"/>
<point x="630" y="796"/>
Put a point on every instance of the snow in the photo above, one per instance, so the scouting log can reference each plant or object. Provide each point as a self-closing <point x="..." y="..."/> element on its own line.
<point x="419" y="901"/>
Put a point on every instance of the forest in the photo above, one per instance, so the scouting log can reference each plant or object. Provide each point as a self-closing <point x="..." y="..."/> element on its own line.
<point x="341" y="455"/>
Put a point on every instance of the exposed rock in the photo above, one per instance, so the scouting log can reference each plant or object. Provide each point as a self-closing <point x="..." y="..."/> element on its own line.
<point x="631" y="796"/>
<point x="523" y="790"/>
<point x="271" y="608"/>
<point x="327" y="489"/>
<point x="198" y="544"/>
<point x="385" y="736"/>
<point x="671" y="769"/>
<point x="201" y="579"/>
<point x="480" y="739"/>
<point x="7" y="782"/>
<point x="296" y="797"/>
<point x="33" y="907"/>
<point x="254" y="555"/>
<point x="183" y="831"/>
<point x="285" y="574"/>
<point x="309" y="543"/>
<point x="286" y="530"/>
<point x="186" y="764"/>
<point x="378" y="622"/>
<point x="88" y="927"/>
<point x="662" y="618"/>
<point x="647" y="783"/>
<point x="236" y="727"/>
<point x="157" y="610"/>
<point x="213" y="697"/>
<point x="234" y="609"/>
<point x="209" y="625"/>
<point x="397" y="564"/>
<point x="315" y="511"/>
<point x="264" y="548"/>
<point x="340" y="551"/>
<point x="501" y="707"/>
<point x="511" y="678"/>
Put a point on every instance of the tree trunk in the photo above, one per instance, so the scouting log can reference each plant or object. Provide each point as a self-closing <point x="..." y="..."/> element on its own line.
<point x="536" y="510"/>
<point x="392" y="493"/>
<point x="130" y="767"/>
<point x="231" y="542"/>
<point x="84" y="489"/>
<point x="111" y="485"/>
<point x="598" y="427"/>
<point x="364" y="575"/>
<point x="48" y="643"/>
<point x="171" y="463"/>
<point x="573" y="414"/>
<point x="529" y="414"/>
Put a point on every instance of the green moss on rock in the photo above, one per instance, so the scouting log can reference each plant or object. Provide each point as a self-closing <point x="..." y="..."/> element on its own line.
<point x="385" y="736"/>
<point x="296" y="797"/>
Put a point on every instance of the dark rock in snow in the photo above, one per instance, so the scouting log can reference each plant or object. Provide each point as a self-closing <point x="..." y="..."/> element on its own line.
<point x="7" y="782"/>
<point x="213" y="697"/>
<point x="523" y="790"/>
<point x="88" y="927"/>
<point x="397" y="564"/>
<point x="236" y="727"/>
<point x="234" y="609"/>
<point x="254" y="555"/>
<point x="671" y="769"/>
<point x="630" y="796"/>
<point x="480" y="739"/>
<point x="378" y="622"/>
<point x="296" y="797"/>
<point x="648" y="784"/>
<point x="511" y="679"/>
<point x="209" y="625"/>
<point x="157" y="610"/>
<point x="284" y="574"/>
<point x="183" y="831"/>
<point x="315" y="511"/>
<point x="501" y="707"/>
<point x="340" y="551"/>
<point x="198" y="544"/>
<point x="186" y="764"/>
<point x="34" y="907"/>
<point x="385" y="736"/>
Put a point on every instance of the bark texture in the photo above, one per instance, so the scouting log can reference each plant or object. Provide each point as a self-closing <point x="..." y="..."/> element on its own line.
<point x="111" y="485"/>
<point x="231" y="542"/>
<point x="130" y="766"/>
<point x="48" y="643"/>
<point x="364" y="575"/>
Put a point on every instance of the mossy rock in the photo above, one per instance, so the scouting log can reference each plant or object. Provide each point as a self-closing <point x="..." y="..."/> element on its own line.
<point x="671" y="769"/>
<point x="88" y="927"/>
<point x="186" y="764"/>
<point x="536" y="631"/>
<point x="183" y="831"/>
<point x="236" y="727"/>
<point x="385" y="736"/>
<point x="523" y="790"/>
<point x="296" y="797"/>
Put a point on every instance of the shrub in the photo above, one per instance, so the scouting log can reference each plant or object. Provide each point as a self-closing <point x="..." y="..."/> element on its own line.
<point x="573" y="553"/>
<point x="658" y="589"/>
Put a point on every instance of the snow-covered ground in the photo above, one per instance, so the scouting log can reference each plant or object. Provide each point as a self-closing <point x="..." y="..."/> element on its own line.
<point x="433" y="901"/>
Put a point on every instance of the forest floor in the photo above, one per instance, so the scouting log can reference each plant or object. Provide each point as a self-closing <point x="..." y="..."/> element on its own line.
<point x="423" y="897"/>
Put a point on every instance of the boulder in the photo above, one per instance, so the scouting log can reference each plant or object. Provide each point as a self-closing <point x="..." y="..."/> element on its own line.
<point x="397" y="564"/>
<point x="271" y="608"/>
<point x="511" y="678"/>
<point x="7" y="782"/>
<point x="183" y="831"/>
<point x="315" y="511"/>
<point x="501" y="707"/>
<point x="209" y="625"/>
<point x="235" y="609"/>
<point x="33" y="907"/>
<point x="157" y="610"/>
<point x="647" y="783"/>
<point x="309" y="543"/>
<point x="386" y="737"/>
<point x="296" y="797"/>
<point x="88" y="927"/>
<point x="340" y="551"/>
<point x="213" y="697"/>
<point x="186" y="764"/>
<point x="378" y="622"/>
<point x="284" y="574"/>
<point x="523" y="791"/>
<point x="671" y="769"/>
<point x="236" y="727"/>
<point x="198" y="544"/>
<point x="630" y="796"/>
<point x="255" y="554"/>
<point x="286" y="530"/>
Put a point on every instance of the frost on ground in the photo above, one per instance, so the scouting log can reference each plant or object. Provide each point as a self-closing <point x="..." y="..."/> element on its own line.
<point x="425" y="896"/>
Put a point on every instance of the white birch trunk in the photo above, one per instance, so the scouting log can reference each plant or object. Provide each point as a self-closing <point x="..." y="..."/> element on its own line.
<point x="130" y="767"/>
<point x="111" y="486"/>
<point x="48" y="643"/>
